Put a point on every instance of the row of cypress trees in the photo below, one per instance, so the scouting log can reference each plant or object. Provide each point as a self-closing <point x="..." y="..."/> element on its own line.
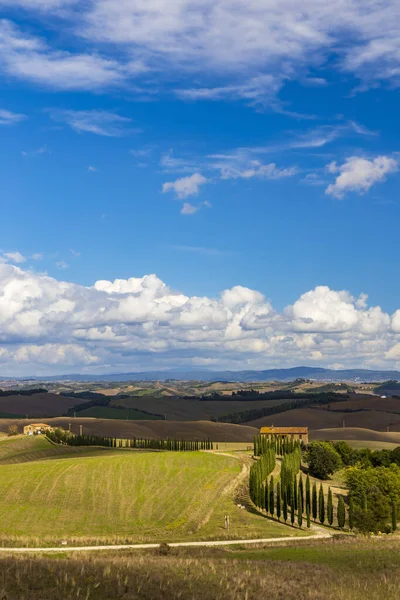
<point x="259" y="472"/>
<point x="295" y="501"/>
<point x="59" y="436"/>
<point x="289" y="498"/>
<point x="282" y="445"/>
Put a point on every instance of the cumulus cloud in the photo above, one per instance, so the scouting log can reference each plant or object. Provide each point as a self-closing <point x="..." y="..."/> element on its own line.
<point x="185" y="186"/>
<point x="358" y="174"/>
<point x="48" y="325"/>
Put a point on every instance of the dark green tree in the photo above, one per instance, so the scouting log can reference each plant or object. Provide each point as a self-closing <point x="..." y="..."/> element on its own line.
<point x="314" y="502"/>
<point x="321" y="505"/>
<point x="284" y="506"/>
<point x="292" y="514"/>
<point x="299" y="508"/>
<point x="308" y="493"/>
<point x="266" y="495"/>
<point x="330" y="508"/>
<point x="271" y="496"/>
<point x="308" y="517"/>
<point x="301" y="490"/>
<point x="341" y="513"/>
<point x="278" y="501"/>
<point x="323" y="460"/>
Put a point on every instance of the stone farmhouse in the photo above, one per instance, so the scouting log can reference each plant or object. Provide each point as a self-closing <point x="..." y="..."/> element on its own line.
<point x="36" y="428"/>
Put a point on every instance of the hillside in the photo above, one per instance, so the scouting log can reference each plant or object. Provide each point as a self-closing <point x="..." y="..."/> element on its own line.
<point x="36" y="405"/>
<point x="93" y="495"/>
<point x="356" y="433"/>
<point x="181" y="409"/>
<point x="188" y="430"/>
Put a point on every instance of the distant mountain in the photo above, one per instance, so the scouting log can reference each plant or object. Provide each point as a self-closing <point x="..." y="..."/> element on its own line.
<point x="316" y="373"/>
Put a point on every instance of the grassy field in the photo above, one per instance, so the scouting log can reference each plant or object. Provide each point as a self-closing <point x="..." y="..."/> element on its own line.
<point x="91" y="495"/>
<point x="351" y="569"/>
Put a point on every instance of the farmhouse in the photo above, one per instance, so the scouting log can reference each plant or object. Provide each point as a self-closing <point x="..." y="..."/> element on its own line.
<point x="297" y="433"/>
<point x="36" y="428"/>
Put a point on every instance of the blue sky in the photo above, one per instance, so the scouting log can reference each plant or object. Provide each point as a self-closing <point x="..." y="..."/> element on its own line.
<point x="219" y="145"/>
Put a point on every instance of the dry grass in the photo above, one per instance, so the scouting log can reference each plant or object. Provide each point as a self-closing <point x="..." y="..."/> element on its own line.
<point x="351" y="570"/>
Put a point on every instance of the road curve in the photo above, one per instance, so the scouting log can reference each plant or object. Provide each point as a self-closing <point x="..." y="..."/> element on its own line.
<point x="318" y="536"/>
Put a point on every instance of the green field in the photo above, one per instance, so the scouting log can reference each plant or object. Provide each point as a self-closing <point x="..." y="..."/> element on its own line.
<point x="83" y="494"/>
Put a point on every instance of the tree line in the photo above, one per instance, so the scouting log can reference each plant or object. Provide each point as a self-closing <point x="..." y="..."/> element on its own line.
<point x="60" y="436"/>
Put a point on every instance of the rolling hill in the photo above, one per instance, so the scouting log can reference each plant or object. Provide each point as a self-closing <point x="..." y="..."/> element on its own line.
<point x="188" y="430"/>
<point x="36" y="405"/>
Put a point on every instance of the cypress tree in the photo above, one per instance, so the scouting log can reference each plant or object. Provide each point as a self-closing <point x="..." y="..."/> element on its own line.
<point x="284" y="505"/>
<point x="321" y="502"/>
<point x="301" y="490"/>
<point x="341" y="513"/>
<point x="271" y="496"/>
<point x="314" y="502"/>
<point x="299" y="509"/>
<point x="294" y="492"/>
<point x="266" y="495"/>
<point x="278" y="501"/>
<point x="292" y="514"/>
<point x="308" y="516"/>
<point x="351" y="513"/>
<point x="394" y="517"/>
<point x="330" y="507"/>
<point x="308" y="493"/>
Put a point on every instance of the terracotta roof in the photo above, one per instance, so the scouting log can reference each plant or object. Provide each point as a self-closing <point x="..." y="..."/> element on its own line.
<point x="281" y="430"/>
<point x="37" y="425"/>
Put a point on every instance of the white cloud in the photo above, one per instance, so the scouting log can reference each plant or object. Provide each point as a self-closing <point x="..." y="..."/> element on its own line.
<point x="14" y="257"/>
<point x="185" y="186"/>
<point x="99" y="122"/>
<point x="10" y="118"/>
<point x="188" y="209"/>
<point x="61" y="264"/>
<point x="126" y="324"/>
<point x="92" y="169"/>
<point x="358" y="174"/>
<point x="37" y="256"/>
<point x="250" y="47"/>
<point x="26" y="57"/>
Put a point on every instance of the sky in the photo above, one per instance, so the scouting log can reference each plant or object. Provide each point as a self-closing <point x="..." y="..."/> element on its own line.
<point x="198" y="183"/>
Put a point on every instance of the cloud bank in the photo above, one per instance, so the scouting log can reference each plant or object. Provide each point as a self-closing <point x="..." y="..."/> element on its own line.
<point x="51" y="326"/>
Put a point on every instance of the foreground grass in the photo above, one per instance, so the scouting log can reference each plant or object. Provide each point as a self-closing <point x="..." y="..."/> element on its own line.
<point x="345" y="570"/>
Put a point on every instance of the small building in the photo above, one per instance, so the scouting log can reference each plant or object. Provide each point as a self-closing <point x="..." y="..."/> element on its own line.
<point x="297" y="433"/>
<point x="36" y="428"/>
